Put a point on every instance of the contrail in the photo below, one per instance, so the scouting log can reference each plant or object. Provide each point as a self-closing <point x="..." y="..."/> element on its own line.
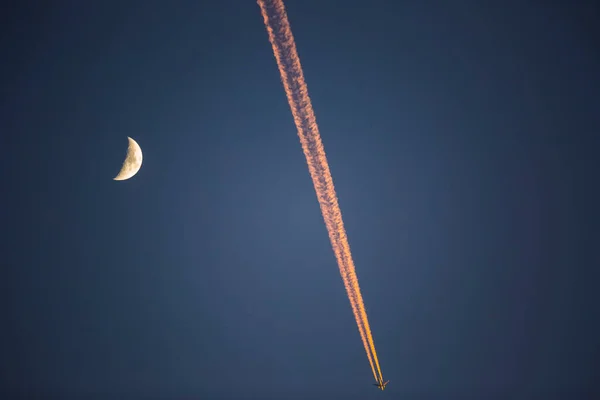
<point x="290" y="69"/>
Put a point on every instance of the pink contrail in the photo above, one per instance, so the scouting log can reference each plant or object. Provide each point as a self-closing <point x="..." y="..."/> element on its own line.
<point x="290" y="69"/>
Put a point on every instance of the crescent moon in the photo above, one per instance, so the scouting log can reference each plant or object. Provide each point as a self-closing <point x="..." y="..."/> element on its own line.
<point x="132" y="163"/>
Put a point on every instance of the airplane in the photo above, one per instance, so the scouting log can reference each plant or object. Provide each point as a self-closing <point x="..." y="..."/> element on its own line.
<point x="381" y="384"/>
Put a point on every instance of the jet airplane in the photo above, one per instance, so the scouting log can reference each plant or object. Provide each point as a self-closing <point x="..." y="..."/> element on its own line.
<point x="381" y="384"/>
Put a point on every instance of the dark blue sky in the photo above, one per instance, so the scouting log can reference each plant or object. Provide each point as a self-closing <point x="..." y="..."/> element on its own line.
<point x="463" y="143"/>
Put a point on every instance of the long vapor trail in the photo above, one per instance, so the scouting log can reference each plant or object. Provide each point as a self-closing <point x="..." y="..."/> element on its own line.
<point x="292" y="77"/>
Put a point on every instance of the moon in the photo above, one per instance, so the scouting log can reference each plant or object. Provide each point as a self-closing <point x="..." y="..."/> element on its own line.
<point x="132" y="163"/>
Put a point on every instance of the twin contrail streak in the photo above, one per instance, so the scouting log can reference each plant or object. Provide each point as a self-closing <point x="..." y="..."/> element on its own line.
<point x="290" y="69"/>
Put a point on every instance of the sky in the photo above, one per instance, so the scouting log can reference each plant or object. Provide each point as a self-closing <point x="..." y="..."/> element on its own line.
<point x="462" y="138"/>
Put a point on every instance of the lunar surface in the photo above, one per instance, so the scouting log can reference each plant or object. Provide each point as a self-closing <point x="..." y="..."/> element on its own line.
<point x="132" y="163"/>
